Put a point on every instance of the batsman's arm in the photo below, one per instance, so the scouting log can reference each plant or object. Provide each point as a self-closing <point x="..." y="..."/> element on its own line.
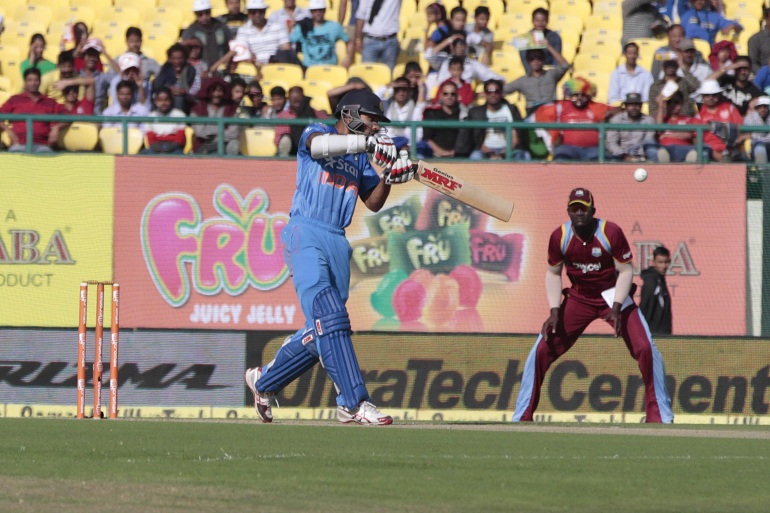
<point x="333" y="145"/>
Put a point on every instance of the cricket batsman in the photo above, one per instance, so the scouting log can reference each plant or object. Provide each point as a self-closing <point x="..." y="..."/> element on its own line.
<point x="597" y="259"/>
<point x="333" y="171"/>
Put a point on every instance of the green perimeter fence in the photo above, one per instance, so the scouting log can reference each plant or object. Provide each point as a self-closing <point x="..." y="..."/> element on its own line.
<point x="602" y="128"/>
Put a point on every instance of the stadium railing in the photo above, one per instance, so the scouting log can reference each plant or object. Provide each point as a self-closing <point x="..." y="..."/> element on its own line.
<point x="602" y="128"/>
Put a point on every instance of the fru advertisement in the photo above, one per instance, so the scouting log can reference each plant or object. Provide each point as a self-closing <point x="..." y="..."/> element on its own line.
<point x="198" y="246"/>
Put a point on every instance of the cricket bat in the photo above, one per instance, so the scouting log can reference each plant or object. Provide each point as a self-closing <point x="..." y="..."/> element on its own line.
<point x="462" y="190"/>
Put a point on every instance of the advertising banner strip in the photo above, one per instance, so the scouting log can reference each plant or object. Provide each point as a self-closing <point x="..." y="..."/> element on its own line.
<point x="56" y="219"/>
<point x="202" y="246"/>
<point x="411" y="375"/>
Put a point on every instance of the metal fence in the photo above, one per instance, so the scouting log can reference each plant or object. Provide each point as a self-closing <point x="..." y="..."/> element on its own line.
<point x="602" y="128"/>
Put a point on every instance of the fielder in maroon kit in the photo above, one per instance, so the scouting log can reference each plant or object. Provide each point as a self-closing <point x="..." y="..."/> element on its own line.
<point x="597" y="257"/>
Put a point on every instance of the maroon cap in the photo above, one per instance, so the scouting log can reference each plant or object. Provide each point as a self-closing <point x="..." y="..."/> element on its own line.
<point x="581" y="195"/>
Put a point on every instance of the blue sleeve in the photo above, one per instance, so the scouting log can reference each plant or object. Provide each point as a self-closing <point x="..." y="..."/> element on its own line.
<point x="760" y="80"/>
<point x="296" y="34"/>
<point x="315" y="128"/>
<point x="370" y="178"/>
<point x="724" y="22"/>
<point x="438" y="35"/>
<point x="341" y="34"/>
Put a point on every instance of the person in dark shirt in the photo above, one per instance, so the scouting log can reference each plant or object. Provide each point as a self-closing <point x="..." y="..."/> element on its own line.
<point x="656" y="303"/>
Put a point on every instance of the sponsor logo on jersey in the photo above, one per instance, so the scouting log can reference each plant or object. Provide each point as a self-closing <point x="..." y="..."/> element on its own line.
<point x="587" y="268"/>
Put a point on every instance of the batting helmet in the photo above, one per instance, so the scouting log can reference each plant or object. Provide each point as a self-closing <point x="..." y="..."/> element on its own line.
<point x="360" y="101"/>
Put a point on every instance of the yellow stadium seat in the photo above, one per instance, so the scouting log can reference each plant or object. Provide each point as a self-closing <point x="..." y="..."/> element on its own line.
<point x="145" y="6"/>
<point x="267" y="85"/>
<point x="508" y="56"/>
<point x="129" y="16"/>
<point x="111" y="139"/>
<point x="518" y="21"/>
<point x="79" y="137"/>
<point x="398" y="70"/>
<point x="35" y="14"/>
<point x="258" y="142"/>
<point x="24" y="28"/>
<point x="526" y="6"/>
<point x="496" y="8"/>
<point x="579" y="8"/>
<point x="606" y="21"/>
<point x="565" y="21"/>
<point x="591" y="61"/>
<point x="647" y="48"/>
<point x="602" y="82"/>
<point x="511" y="69"/>
<point x="168" y="19"/>
<point x="96" y="5"/>
<point x="321" y="103"/>
<point x="611" y="7"/>
<point x="157" y="45"/>
<point x="290" y="74"/>
<point x="10" y="69"/>
<point x="313" y="88"/>
<point x="413" y="39"/>
<point x="10" y="52"/>
<point x="247" y="69"/>
<point x="415" y="19"/>
<point x="185" y="7"/>
<point x="335" y="75"/>
<point x="569" y="44"/>
<point x="4" y="95"/>
<point x="374" y="74"/>
<point x="5" y="84"/>
<point x="71" y="14"/>
<point x="603" y="35"/>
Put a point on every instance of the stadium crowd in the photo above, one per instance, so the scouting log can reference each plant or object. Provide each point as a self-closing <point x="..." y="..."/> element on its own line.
<point x="680" y="63"/>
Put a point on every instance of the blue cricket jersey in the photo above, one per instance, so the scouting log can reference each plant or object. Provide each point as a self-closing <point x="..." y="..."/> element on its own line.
<point x="328" y="187"/>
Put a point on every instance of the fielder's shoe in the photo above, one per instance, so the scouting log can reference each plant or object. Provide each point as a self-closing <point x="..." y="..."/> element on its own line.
<point x="263" y="401"/>
<point x="366" y="414"/>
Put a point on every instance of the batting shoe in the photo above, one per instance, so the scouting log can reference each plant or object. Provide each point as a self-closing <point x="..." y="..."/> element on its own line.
<point x="263" y="401"/>
<point x="366" y="414"/>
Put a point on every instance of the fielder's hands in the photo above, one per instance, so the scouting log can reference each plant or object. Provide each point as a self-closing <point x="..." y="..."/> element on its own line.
<point x="382" y="149"/>
<point x="402" y="170"/>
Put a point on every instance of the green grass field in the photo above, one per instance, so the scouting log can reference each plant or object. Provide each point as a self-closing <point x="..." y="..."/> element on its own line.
<point x="160" y="466"/>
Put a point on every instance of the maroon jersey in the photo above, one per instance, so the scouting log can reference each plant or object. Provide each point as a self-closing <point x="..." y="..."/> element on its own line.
<point x="590" y="264"/>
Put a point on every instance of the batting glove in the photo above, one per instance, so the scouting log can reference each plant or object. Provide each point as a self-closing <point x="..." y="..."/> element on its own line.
<point x="402" y="171"/>
<point x="382" y="149"/>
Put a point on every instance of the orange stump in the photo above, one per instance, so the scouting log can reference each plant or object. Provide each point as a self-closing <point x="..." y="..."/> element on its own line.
<point x="98" y="366"/>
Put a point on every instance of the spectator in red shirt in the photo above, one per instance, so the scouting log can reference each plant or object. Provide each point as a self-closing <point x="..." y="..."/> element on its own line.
<point x="165" y="137"/>
<point x="674" y="146"/>
<point x="724" y="117"/>
<point x="465" y="94"/>
<point x="579" y="108"/>
<point x="44" y="133"/>
<point x="72" y="105"/>
<point x="287" y="137"/>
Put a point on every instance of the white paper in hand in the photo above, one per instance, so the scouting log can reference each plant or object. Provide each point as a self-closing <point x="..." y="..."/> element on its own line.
<point x="609" y="297"/>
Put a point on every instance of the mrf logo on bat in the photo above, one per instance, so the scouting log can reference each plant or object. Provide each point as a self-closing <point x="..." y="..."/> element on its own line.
<point x="442" y="179"/>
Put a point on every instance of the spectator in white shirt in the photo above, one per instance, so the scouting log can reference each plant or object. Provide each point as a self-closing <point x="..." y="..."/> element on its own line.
<point x="629" y="78"/>
<point x="125" y="106"/>
<point x="473" y="70"/>
<point x="289" y="15"/>
<point x="264" y="39"/>
<point x="377" y="28"/>
<point x="403" y="108"/>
